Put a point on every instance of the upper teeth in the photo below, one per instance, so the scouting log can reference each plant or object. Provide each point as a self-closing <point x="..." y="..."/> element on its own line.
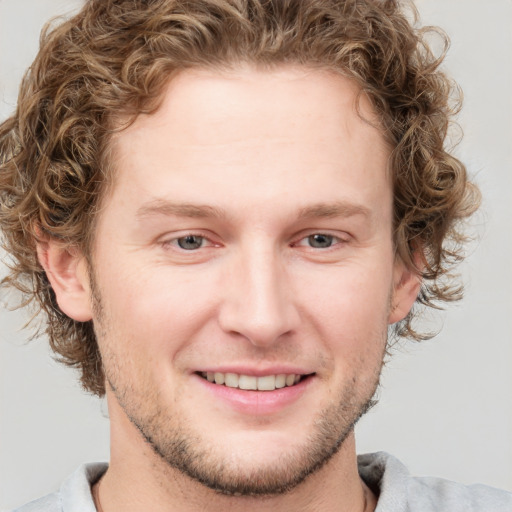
<point x="251" y="382"/>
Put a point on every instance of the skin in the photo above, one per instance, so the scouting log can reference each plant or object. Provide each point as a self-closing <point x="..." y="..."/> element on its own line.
<point x="275" y="157"/>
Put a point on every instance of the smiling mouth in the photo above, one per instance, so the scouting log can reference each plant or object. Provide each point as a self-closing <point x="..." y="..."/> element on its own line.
<point x="251" y="382"/>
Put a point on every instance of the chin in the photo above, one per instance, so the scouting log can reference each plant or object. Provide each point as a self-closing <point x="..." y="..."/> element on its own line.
<point x="249" y="462"/>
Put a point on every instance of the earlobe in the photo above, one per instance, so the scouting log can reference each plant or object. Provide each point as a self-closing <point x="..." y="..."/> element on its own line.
<point x="66" y="270"/>
<point x="407" y="283"/>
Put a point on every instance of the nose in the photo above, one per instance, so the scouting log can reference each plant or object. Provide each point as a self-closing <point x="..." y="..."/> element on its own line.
<point x="257" y="300"/>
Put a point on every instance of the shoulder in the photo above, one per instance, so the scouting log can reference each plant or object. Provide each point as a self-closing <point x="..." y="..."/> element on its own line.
<point x="50" y="503"/>
<point x="400" y="492"/>
<point x="74" y="494"/>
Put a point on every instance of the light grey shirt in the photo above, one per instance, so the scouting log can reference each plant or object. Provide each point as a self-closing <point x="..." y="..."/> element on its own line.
<point x="389" y="479"/>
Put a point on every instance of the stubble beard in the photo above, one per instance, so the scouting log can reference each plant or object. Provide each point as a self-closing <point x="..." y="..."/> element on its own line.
<point x="182" y="448"/>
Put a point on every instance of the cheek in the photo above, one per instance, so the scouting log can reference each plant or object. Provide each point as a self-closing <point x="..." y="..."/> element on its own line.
<point x="347" y="311"/>
<point x="154" y="306"/>
<point x="355" y="296"/>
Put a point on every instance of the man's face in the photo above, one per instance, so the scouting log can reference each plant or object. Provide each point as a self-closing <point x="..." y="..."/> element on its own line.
<point x="248" y="237"/>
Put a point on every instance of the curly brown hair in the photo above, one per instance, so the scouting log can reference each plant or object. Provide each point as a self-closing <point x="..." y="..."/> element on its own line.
<point x="112" y="60"/>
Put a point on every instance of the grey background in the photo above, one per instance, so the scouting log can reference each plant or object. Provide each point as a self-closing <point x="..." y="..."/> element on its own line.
<point x="445" y="408"/>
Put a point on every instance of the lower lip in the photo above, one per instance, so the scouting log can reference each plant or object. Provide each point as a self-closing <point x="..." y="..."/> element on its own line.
<point x="257" y="403"/>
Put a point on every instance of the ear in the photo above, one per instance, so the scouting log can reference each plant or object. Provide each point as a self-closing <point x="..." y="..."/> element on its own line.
<point x="66" y="270"/>
<point x="406" y="287"/>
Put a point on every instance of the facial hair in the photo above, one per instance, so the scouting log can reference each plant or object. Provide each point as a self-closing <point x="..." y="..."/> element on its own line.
<point x="181" y="447"/>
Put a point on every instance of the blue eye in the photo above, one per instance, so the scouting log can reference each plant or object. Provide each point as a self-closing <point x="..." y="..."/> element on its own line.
<point x="320" y="241"/>
<point x="190" y="242"/>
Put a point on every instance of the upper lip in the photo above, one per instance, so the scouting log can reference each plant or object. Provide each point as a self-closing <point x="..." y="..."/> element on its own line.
<point x="256" y="372"/>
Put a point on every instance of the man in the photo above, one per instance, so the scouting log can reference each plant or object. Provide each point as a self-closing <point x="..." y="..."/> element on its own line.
<point x="221" y="207"/>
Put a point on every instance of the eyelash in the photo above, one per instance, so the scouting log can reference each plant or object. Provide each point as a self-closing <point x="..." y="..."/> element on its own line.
<point x="175" y="242"/>
<point x="335" y="240"/>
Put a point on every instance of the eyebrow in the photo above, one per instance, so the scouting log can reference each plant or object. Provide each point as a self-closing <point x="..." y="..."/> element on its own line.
<point x="169" y="208"/>
<point x="334" y="209"/>
<point x="201" y="211"/>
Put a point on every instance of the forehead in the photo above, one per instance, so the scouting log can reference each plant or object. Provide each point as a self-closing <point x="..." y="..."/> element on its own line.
<point x="254" y="133"/>
<point x="287" y="96"/>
